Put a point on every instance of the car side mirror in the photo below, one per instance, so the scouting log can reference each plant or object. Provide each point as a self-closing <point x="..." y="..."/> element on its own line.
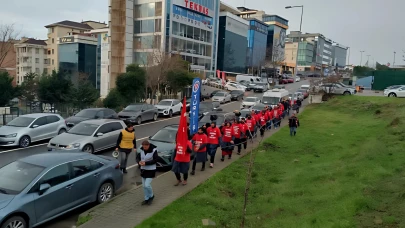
<point x="99" y="134"/>
<point x="35" y="126"/>
<point x="43" y="188"/>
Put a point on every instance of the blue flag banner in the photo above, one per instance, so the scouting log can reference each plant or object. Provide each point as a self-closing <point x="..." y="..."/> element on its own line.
<point x="195" y="105"/>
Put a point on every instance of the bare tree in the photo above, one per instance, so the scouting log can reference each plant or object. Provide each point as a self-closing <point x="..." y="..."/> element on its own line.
<point x="8" y="36"/>
<point x="273" y="60"/>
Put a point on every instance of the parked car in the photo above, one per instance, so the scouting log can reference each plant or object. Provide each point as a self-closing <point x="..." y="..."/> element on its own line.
<point x="258" y="107"/>
<point x="91" y="114"/>
<point x="297" y="78"/>
<point x="337" y="89"/>
<point x="290" y="79"/>
<point x="165" y="141"/>
<point x="168" y="107"/>
<point x="260" y="87"/>
<point x="207" y="107"/>
<point x="137" y="113"/>
<point x="299" y="95"/>
<point x="215" y="92"/>
<point x="245" y="112"/>
<point x="41" y="187"/>
<point x="247" y="84"/>
<point x="89" y="136"/>
<point x="222" y="97"/>
<point x="304" y="93"/>
<point x="237" y="95"/>
<point x="283" y="80"/>
<point x="232" y="87"/>
<point x="26" y="129"/>
<point x="219" y="117"/>
<point x="249" y="102"/>
<point x="394" y="92"/>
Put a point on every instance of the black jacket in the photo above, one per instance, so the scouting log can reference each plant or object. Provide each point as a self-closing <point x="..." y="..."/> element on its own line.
<point x="293" y="122"/>
<point x="149" y="173"/>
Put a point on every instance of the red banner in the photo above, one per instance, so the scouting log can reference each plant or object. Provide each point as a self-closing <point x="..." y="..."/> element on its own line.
<point x="182" y="137"/>
<point x="223" y="78"/>
<point x="218" y="74"/>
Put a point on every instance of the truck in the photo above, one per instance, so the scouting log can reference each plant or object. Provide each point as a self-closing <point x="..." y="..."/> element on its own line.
<point x="273" y="97"/>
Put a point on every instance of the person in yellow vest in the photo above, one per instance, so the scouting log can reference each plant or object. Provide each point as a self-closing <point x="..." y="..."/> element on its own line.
<point x="126" y="144"/>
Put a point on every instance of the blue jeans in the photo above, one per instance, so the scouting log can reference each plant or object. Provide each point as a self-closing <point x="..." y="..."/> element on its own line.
<point x="268" y="124"/>
<point x="293" y="131"/>
<point x="147" y="188"/>
<point x="276" y="122"/>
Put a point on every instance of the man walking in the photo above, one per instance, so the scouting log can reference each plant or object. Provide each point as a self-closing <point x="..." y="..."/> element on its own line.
<point x="227" y="141"/>
<point x="213" y="141"/>
<point x="181" y="162"/>
<point x="148" y="158"/>
<point x="126" y="143"/>
<point x="244" y="130"/>
<point x="200" y="141"/>
<point x="262" y="122"/>
<point x="293" y="123"/>
<point x="237" y="133"/>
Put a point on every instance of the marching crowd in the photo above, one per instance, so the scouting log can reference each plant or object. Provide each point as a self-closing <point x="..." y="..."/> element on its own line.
<point x="229" y="136"/>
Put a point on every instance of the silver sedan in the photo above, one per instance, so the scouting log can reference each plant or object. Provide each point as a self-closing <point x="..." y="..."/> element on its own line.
<point x="89" y="136"/>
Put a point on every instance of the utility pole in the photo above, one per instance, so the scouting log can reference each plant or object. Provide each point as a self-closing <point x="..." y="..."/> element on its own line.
<point x="361" y="57"/>
<point x="299" y="38"/>
<point x="393" y="64"/>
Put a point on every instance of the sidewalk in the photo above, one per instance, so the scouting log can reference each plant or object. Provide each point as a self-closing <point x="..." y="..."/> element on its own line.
<point x="125" y="210"/>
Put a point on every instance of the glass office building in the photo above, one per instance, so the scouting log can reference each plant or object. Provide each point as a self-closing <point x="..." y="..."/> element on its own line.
<point x="305" y="53"/>
<point x="232" y="43"/>
<point x="257" y="43"/>
<point x="176" y="26"/>
<point x="78" y="56"/>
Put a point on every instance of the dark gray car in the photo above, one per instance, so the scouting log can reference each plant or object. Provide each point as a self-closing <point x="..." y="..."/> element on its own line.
<point x="138" y="113"/>
<point x="38" y="188"/>
<point x="91" y="114"/>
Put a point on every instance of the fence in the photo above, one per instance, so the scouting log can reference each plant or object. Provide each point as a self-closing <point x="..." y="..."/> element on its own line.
<point x="383" y="79"/>
<point x="7" y="114"/>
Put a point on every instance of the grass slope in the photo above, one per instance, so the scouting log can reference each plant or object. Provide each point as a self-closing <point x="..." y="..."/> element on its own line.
<point x="345" y="168"/>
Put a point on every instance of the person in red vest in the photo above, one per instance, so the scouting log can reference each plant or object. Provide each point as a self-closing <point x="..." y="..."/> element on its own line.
<point x="200" y="141"/>
<point x="281" y="108"/>
<point x="214" y="135"/>
<point x="181" y="162"/>
<point x="262" y="122"/>
<point x="276" y="115"/>
<point x="269" y="114"/>
<point x="250" y="123"/>
<point x="255" y="120"/>
<point x="243" y="129"/>
<point x="227" y="141"/>
<point x="237" y="133"/>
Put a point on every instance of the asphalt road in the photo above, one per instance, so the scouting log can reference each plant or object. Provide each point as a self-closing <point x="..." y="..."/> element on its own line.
<point x="131" y="179"/>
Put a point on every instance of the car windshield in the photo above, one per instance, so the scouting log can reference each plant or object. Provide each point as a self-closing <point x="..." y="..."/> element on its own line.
<point x="271" y="100"/>
<point x="87" y="113"/>
<point x="16" y="176"/>
<point x="207" y="119"/>
<point x="165" y="103"/>
<point x="258" y="107"/>
<point x="250" y="99"/>
<point x="133" y="108"/>
<point x="244" y="113"/>
<point x="220" y="94"/>
<point x="165" y="135"/>
<point x="86" y="129"/>
<point x="21" y="122"/>
<point x="205" y="105"/>
<point x="236" y="92"/>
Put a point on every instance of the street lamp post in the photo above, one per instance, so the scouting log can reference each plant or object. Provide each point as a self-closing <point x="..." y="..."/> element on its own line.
<point x="361" y="57"/>
<point x="393" y="64"/>
<point x="299" y="38"/>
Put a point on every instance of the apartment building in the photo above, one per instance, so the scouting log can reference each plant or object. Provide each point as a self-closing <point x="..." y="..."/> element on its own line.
<point x="8" y="60"/>
<point x="62" y="29"/>
<point x="103" y="61"/>
<point x="31" y="57"/>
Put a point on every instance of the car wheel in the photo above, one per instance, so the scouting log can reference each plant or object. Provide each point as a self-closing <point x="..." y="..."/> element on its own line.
<point x="346" y="93"/>
<point x="392" y="95"/>
<point x="155" y="116"/>
<point x="105" y="193"/>
<point x="88" y="149"/>
<point x="25" y="141"/>
<point x="138" y="120"/>
<point x="15" y="222"/>
<point x="61" y="131"/>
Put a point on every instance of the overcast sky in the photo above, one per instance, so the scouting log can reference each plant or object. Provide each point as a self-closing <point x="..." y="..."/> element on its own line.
<point x="374" y="26"/>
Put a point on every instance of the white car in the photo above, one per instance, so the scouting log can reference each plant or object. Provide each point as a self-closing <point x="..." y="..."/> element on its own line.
<point x="338" y="89"/>
<point x="168" y="107"/>
<point x="299" y="95"/>
<point x="395" y="92"/>
<point x="231" y="85"/>
<point x="297" y="79"/>
<point x="249" y="102"/>
<point x="222" y="97"/>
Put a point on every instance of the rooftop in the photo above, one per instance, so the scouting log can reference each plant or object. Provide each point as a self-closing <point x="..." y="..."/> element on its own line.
<point x="33" y="41"/>
<point x="70" y="24"/>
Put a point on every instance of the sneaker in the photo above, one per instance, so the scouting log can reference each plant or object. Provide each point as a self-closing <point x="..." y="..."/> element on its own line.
<point x="222" y="159"/>
<point x="145" y="202"/>
<point x="211" y="165"/>
<point x="192" y="172"/>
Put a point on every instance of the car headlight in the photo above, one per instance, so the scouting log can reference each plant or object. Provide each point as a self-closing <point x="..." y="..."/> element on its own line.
<point x="11" y="135"/>
<point x="74" y="145"/>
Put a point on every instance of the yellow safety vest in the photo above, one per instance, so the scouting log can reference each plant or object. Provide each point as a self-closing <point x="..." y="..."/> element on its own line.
<point x="127" y="140"/>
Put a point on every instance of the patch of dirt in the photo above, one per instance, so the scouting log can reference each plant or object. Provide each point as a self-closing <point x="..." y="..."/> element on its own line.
<point x="270" y="146"/>
<point x="395" y="122"/>
<point x="228" y="193"/>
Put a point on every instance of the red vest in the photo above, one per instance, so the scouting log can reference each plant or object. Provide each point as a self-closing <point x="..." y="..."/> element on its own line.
<point x="250" y="124"/>
<point x="200" y="139"/>
<point x="262" y="119"/>
<point x="181" y="153"/>
<point x="236" y="130"/>
<point x="243" y="128"/>
<point x="213" y="135"/>
<point x="227" y="134"/>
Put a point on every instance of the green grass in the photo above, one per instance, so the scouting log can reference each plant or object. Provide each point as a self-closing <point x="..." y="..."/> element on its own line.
<point x="83" y="219"/>
<point x="345" y="168"/>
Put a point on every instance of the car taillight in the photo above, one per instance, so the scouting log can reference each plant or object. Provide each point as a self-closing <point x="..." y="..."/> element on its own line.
<point x="117" y="166"/>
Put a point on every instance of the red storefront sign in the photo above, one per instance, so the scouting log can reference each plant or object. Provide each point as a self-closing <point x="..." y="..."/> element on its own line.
<point x="196" y="7"/>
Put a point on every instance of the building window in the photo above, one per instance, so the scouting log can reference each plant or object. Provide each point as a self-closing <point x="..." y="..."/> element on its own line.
<point x="158" y="25"/>
<point x="36" y="50"/>
<point x="148" y="10"/>
<point x="37" y="70"/>
<point x="158" y="9"/>
<point x="36" y="60"/>
<point x="53" y="40"/>
<point x="53" y="62"/>
<point x="45" y="70"/>
<point x="141" y="58"/>
<point x="53" y="51"/>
